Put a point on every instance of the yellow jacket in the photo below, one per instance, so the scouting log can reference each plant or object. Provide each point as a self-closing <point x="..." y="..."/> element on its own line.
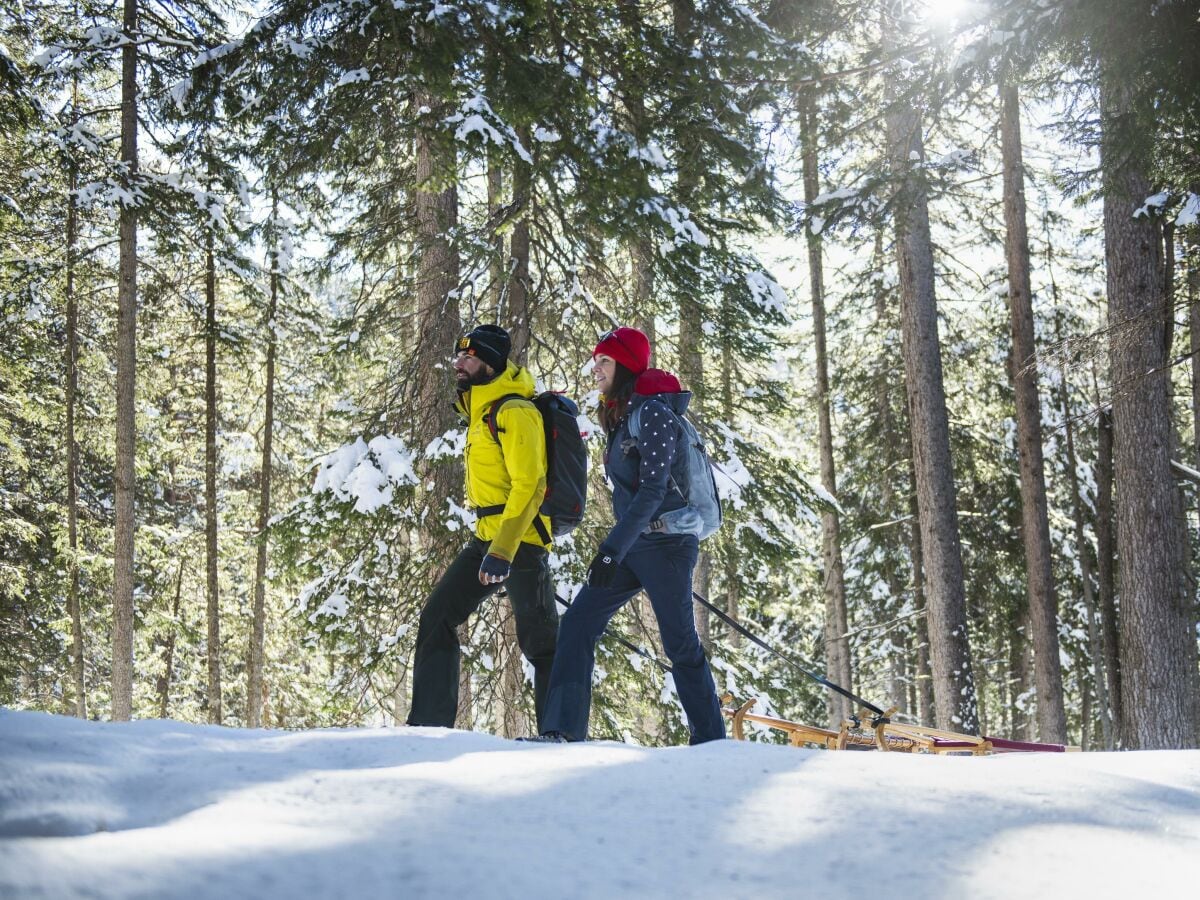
<point x="512" y="473"/>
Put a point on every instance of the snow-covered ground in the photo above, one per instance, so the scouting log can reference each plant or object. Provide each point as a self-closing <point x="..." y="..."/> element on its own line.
<point x="162" y="809"/>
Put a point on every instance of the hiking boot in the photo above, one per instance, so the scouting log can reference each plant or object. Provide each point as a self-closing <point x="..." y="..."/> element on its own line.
<point x="550" y="737"/>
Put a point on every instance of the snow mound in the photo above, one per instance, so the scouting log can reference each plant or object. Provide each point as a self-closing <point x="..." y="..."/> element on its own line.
<point x="163" y="809"/>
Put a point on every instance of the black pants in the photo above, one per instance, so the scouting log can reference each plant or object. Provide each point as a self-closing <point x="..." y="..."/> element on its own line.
<point x="456" y="596"/>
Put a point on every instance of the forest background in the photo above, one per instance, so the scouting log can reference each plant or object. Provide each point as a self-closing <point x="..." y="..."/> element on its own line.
<point x="931" y="269"/>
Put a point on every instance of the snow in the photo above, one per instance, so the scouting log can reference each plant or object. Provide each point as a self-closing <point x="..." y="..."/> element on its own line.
<point x="766" y="292"/>
<point x="353" y="77"/>
<point x="366" y="472"/>
<point x="1190" y="213"/>
<point x="162" y="809"/>
<point x="1152" y="204"/>
<point x="475" y="116"/>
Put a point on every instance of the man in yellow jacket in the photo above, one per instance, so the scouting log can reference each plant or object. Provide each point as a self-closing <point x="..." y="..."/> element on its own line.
<point x="506" y="482"/>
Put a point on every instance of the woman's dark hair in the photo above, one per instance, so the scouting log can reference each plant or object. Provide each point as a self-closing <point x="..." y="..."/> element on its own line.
<point x="614" y="404"/>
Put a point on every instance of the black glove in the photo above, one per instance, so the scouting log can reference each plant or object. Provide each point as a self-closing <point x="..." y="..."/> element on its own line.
<point x="493" y="570"/>
<point x="600" y="573"/>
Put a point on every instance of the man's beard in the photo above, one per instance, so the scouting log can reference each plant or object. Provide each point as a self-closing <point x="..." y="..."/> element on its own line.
<point x="466" y="381"/>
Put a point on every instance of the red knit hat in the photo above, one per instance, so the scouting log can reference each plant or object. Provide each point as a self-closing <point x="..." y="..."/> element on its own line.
<point x="628" y="346"/>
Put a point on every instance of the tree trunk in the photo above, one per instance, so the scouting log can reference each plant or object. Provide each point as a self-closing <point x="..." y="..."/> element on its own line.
<point x="642" y="297"/>
<point x="732" y="573"/>
<point x="1156" y="613"/>
<point x="1020" y="669"/>
<point x="1083" y="552"/>
<point x="1177" y="452"/>
<point x="400" y="695"/>
<point x="512" y="676"/>
<point x="691" y="310"/>
<point x="1035" y="526"/>
<point x="642" y="260"/>
<point x="164" y="682"/>
<point x="897" y="663"/>
<point x="495" y="200"/>
<point x="641" y="250"/>
<point x="438" y="318"/>
<point x="126" y="430"/>
<point x="519" y="247"/>
<point x="953" y="683"/>
<point x="1106" y="569"/>
<point x="1192" y="255"/>
<point x="430" y="412"/>
<point x="254" y="669"/>
<point x="925" y="698"/>
<point x="210" y="484"/>
<point x="508" y="649"/>
<point x="439" y="324"/>
<point x="1193" y="286"/>
<point x="837" y="647"/>
<point x="77" y="671"/>
<point x="465" y="719"/>
<point x="702" y="585"/>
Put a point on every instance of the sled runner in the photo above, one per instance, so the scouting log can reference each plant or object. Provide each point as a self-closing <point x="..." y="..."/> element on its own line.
<point x="882" y="734"/>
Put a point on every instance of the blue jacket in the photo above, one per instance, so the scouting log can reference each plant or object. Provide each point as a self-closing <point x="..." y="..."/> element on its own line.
<point x="643" y="472"/>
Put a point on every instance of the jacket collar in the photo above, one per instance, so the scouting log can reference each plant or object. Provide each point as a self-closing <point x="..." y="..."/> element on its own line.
<point x="664" y="386"/>
<point x="480" y="397"/>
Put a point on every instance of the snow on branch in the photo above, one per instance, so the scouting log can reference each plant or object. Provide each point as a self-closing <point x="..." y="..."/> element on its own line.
<point x="367" y="473"/>
<point x="476" y="116"/>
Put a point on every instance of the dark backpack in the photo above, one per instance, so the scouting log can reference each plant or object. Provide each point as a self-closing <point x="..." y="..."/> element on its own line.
<point x="702" y="515"/>
<point x="566" y="459"/>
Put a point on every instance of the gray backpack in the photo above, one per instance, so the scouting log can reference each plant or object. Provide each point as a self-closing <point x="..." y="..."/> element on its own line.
<point x="702" y="514"/>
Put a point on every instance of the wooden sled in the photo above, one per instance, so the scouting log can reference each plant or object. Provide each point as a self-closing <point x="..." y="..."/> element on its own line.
<point x="883" y="734"/>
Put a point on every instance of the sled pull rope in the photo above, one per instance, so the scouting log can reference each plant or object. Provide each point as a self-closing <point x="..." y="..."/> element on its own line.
<point x="880" y="717"/>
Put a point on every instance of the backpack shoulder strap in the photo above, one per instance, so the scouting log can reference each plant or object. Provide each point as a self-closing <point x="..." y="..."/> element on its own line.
<point x="492" y="413"/>
<point x="635" y="422"/>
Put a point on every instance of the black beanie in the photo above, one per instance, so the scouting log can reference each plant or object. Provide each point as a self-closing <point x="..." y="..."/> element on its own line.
<point x="489" y="343"/>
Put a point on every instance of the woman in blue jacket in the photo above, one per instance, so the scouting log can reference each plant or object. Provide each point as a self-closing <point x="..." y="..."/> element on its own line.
<point x="634" y="556"/>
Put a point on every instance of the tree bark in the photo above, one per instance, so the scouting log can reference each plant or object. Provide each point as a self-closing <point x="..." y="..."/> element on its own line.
<point x="1020" y="666"/>
<point x="465" y="719"/>
<point x="1083" y="552"/>
<point x="641" y="250"/>
<point x="254" y="668"/>
<point x="438" y="317"/>
<point x="837" y="646"/>
<point x="164" y="682"/>
<point x="125" y="524"/>
<point x="400" y="695"/>
<point x="1193" y="286"/>
<point x="1035" y="525"/>
<point x="1156" y="613"/>
<point x="732" y="574"/>
<point x="519" y="248"/>
<point x="495" y="200"/>
<point x="77" y="662"/>
<point x="1106" y="569"/>
<point x="508" y="649"/>
<point x="925" y="697"/>
<point x="1191" y="609"/>
<point x="1192" y="255"/>
<point x="212" y="595"/>
<point x="512" y="676"/>
<point x="691" y="310"/>
<point x="953" y="683"/>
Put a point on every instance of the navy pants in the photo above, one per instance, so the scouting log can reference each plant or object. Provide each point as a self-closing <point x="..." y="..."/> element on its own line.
<point x="661" y="565"/>
<point x="454" y="599"/>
